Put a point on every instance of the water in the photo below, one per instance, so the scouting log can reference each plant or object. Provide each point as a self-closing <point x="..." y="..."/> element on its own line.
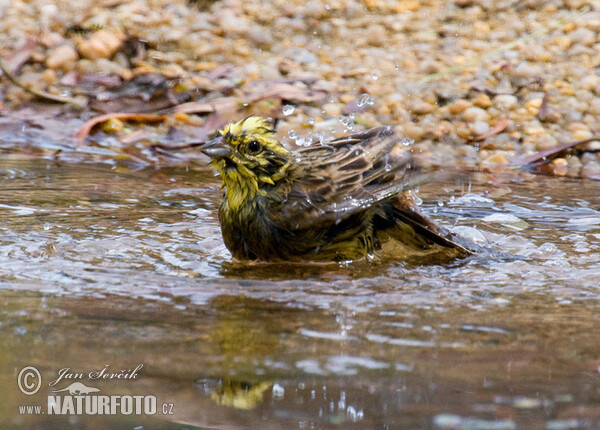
<point x="112" y="266"/>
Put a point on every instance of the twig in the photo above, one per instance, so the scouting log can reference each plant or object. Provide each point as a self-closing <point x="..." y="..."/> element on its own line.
<point x="498" y="128"/>
<point x="87" y="127"/>
<point x="79" y="104"/>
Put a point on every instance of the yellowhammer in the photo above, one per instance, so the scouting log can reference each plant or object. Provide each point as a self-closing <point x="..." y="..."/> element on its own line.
<point x="333" y="202"/>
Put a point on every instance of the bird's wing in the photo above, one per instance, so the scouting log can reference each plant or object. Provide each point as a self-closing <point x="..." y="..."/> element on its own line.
<point x="345" y="176"/>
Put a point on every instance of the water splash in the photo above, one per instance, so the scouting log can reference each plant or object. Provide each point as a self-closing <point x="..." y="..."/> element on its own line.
<point x="288" y="110"/>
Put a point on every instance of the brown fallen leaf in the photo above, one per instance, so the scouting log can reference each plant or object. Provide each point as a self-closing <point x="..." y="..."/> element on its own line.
<point x="218" y="105"/>
<point x="200" y="136"/>
<point x="20" y="56"/>
<point x="262" y="90"/>
<point x="85" y="130"/>
<point x="543" y="110"/>
<point x="305" y="80"/>
<point x="498" y="128"/>
<point x="547" y="155"/>
<point x="148" y="92"/>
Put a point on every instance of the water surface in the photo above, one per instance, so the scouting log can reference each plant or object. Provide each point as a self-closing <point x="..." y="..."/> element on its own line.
<point x="104" y="265"/>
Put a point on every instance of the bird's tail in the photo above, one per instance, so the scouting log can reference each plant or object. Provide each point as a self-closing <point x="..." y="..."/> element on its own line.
<point x="407" y="211"/>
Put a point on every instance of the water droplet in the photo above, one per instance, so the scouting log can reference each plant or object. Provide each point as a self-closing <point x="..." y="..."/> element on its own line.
<point x="375" y="76"/>
<point x="310" y="121"/>
<point x="292" y="134"/>
<point x="363" y="99"/>
<point x="278" y="391"/>
<point x="406" y="141"/>
<point x="288" y="110"/>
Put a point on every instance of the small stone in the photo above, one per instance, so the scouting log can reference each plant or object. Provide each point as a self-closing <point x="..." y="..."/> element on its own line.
<point x="533" y="128"/>
<point x="582" y="134"/>
<point x="591" y="170"/>
<point x="505" y="101"/>
<point x="301" y="56"/>
<point x="583" y="36"/>
<point x="590" y="82"/>
<point x="533" y="106"/>
<point x="474" y="114"/>
<point x="49" y="76"/>
<point x="414" y="132"/>
<point x="241" y="49"/>
<point x="102" y="44"/>
<point x="579" y="130"/>
<point x="542" y="142"/>
<point x="346" y="98"/>
<point x="231" y="23"/>
<point x="459" y="106"/>
<point x="422" y="108"/>
<point x="463" y="130"/>
<point x="496" y="158"/>
<point x="528" y="70"/>
<point x="574" y="166"/>
<point x="479" y="127"/>
<point x="593" y="146"/>
<point x="205" y="66"/>
<point x="113" y="125"/>
<point x="50" y="39"/>
<point x="260" y="36"/>
<point x="333" y="109"/>
<point x="482" y="101"/>
<point x="173" y="70"/>
<point x="61" y="56"/>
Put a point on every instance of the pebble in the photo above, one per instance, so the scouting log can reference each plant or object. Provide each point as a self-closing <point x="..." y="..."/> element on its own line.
<point x="102" y="44"/>
<point x="590" y="82"/>
<point x="113" y="125"/>
<point x="583" y="36"/>
<point x="527" y="70"/>
<point x="422" y="108"/>
<point x="459" y="106"/>
<point x="61" y="56"/>
<point x="333" y="109"/>
<point x="479" y="127"/>
<point x="49" y="76"/>
<point x="533" y="106"/>
<point x="413" y="132"/>
<point x="496" y="158"/>
<point x="232" y="23"/>
<point x="533" y="128"/>
<point x="505" y="101"/>
<point x="474" y="114"/>
<point x="591" y="169"/>
<point x="482" y="101"/>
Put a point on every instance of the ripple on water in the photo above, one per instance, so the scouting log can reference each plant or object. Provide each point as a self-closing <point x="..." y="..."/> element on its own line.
<point x="122" y="233"/>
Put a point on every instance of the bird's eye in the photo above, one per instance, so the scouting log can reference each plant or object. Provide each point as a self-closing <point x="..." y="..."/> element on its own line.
<point x="254" y="147"/>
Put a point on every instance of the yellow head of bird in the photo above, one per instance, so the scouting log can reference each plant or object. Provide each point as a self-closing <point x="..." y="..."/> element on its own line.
<point x="247" y="156"/>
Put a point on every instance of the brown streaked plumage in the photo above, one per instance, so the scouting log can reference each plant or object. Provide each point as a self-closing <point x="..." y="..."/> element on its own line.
<point x="333" y="202"/>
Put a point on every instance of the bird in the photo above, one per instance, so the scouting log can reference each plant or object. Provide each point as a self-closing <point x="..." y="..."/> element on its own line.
<point x="334" y="201"/>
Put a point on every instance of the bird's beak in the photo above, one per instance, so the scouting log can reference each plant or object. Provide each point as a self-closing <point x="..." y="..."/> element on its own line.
<point x="216" y="149"/>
